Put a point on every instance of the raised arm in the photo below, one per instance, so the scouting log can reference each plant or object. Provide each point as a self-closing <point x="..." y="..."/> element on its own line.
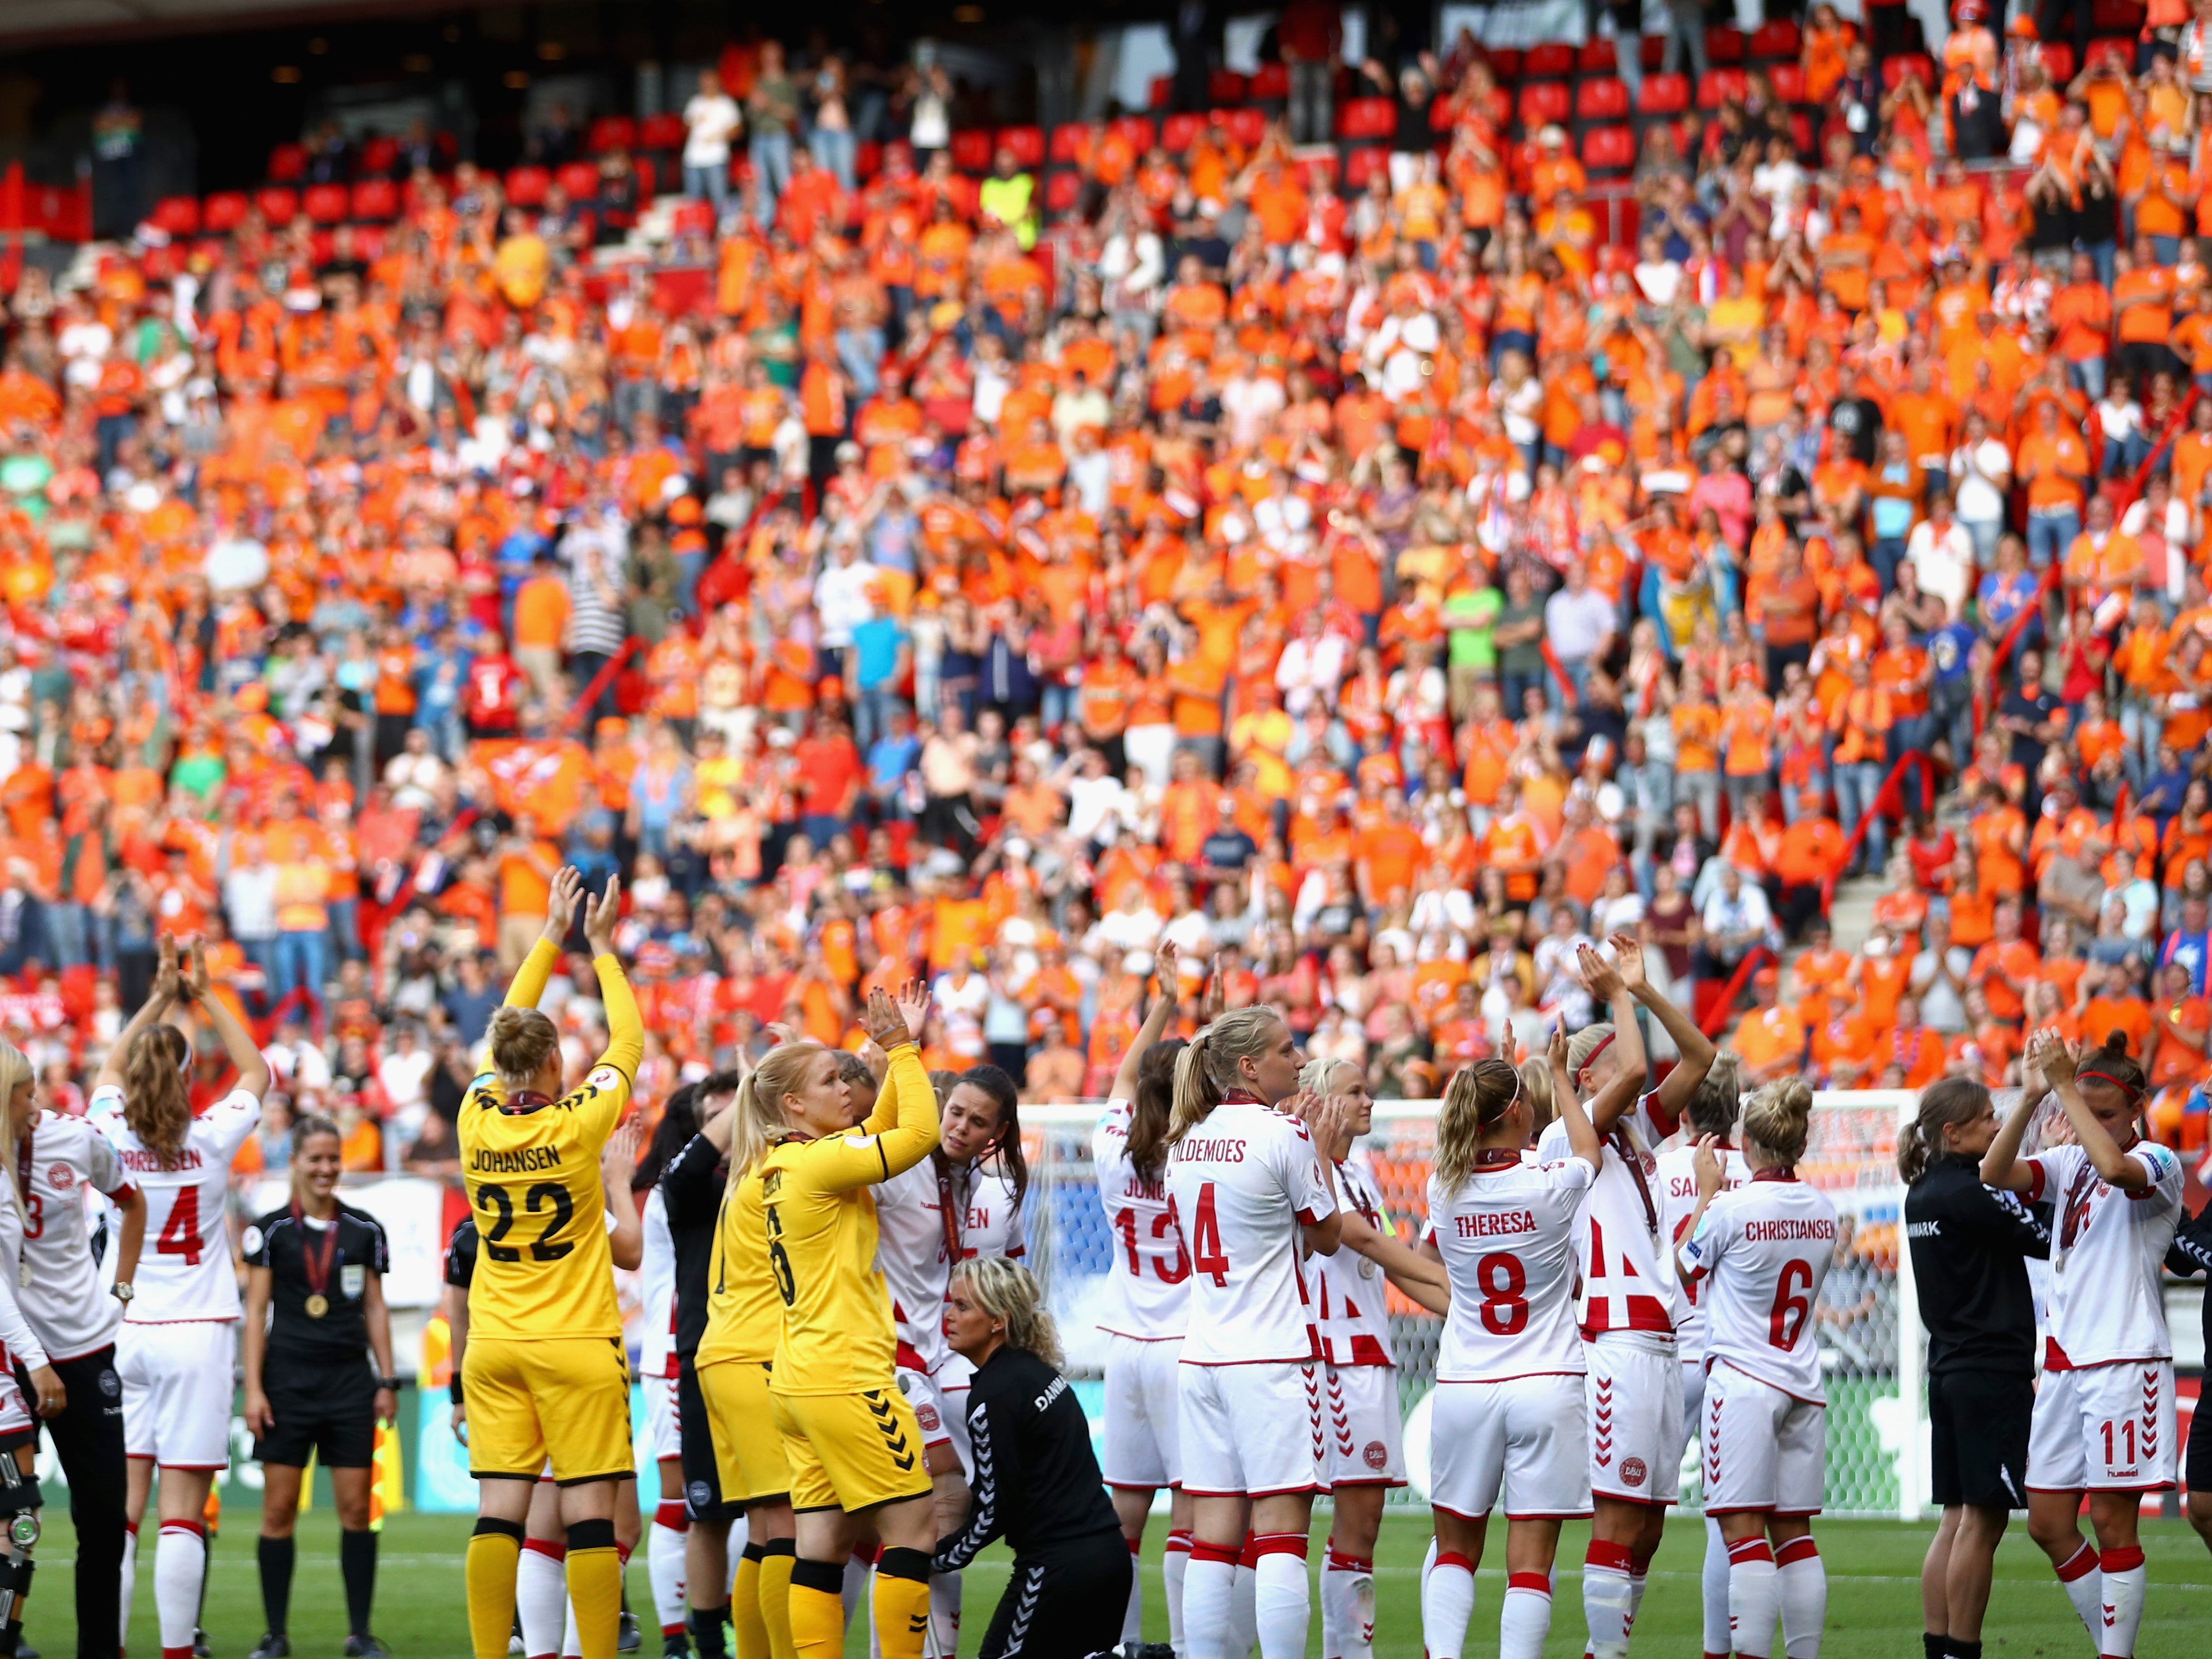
<point x="865" y="1156"/>
<point x="625" y="1027"/>
<point x="237" y="1042"/>
<point x="1695" y="1048"/>
<point x="1582" y="1138"/>
<point x="912" y="1006"/>
<point x="1611" y="1103"/>
<point x="2001" y="1167"/>
<point x="2057" y="1061"/>
<point x="1168" y="992"/>
<point x="627" y="1241"/>
<point x="168" y="991"/>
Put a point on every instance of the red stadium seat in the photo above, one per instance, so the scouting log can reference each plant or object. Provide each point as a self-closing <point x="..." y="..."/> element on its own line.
<point x="581" y="180"/>
<point x="2121" y="51"/>
<point x="287" y="164"/>
<point x="1554" y="60"/>
<point x="1801" y="131"/>
<point x="647" y="174"/>
<point x="378" y="153"/>
<point x="279" y="204"/>
<point x="1067" y="142"/>
<point x="1270" y="84"/>
<point x="1598" y="57"/>
<point x="177" y="215"/>
<point x="1366" y="117"/>
<point x="374" y="199"/>
<point x="1318" y="170"/>
<point x="526" y="187"/>
<point x="663" y="132"/>
<point x="1602" y="99"/>
<point x="1921" y="69"/>
<point x="2115" y="16"/>
<point x="1137" y="130"/>
<point x="1788" y="80"/>
<point x="1772" y="42"/>
<point x="1725" y="45"/>
<point x="1247" y="126"/>
<point x="1026" y="142"/>
<point x="1162" y="92"/>
<point x="2058" y="63"/>
<point x="610" y="132"/>
<point x="1225" y="86"/>
<point x="221" y="212"/>
<point x="1544" y="101"/>
<point x="1717" y="86"/>
<point x="326" y="204"/>
<point x="1652" y="54"/>
<point x="368" y="242"/>
<point x="1504" y="64"/>
<point x="1062" y="190"/>
<point x="1364" y="163"/>
<point x="971" y="150"/>
<point x="1179" y="132"/>
<point x="1440" y="112"/>
<point x="321" y="244"/>
<point x="867" y="159"/>
<point x="1610" y="149"/>
<point x="1663" y="95"/>
<point x="693" y="219"/>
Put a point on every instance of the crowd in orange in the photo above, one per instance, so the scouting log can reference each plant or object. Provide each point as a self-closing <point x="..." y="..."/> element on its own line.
<point x="1377" y="589"/>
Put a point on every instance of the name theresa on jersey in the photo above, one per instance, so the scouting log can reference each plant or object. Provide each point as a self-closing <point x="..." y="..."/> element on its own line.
<point x="1486" y="1223"/>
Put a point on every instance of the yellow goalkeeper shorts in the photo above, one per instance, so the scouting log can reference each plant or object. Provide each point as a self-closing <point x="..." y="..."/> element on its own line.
<point x="565" y="1399"/>
<point x="851" y="1451"/>
<point x="748" y="1446"/>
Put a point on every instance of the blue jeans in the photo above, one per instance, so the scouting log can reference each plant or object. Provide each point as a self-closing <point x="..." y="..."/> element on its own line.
<point x="860" y="354"/>
<point x="771" y="173"/>
<point x="2088" y="374"/>
<point x="69" y="935"/>
<point x="714" y="184"/>
<point x="2123" y="455"/>
<point x="2051" y="531"/>
<point x="301" y="960"/>
<point x="872" y="709"/>
<point x="837" y="151"/>
<point x="345" y="933"/>
<point x="1857" y="782"/>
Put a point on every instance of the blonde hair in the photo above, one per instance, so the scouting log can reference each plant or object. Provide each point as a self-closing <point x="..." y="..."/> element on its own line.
<point x="15" y="1070"/>
<point x="756" y="1116"/>
<point x="1476" y="1100"/>
<point x="1314" y="1075"/>
<point x="1207" y="1070"/>
<point x="1536" y="1089"/>
<point x="522" y="1041"/>
<point x="1582" y="1046"/>
<point x="1778" y="1119"/>
<point x="157" y="1103"/>
<point x="1005" y="1289"/>
<point x="1717" y="1100"/>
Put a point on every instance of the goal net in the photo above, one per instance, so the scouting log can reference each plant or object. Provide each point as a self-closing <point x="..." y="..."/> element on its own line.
<point x="1871" y="1343"/>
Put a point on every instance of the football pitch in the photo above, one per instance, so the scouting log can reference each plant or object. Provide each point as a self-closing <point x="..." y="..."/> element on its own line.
<point x="1873" y="1598"/>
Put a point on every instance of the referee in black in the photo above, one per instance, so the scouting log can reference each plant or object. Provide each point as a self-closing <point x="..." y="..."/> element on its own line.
<point x="314" y="1316"/>
<point x="1970" y="1249"/>
<point x="1036" y="1482"/>
<point x="2191" y="1252"/>
<point x="692" y="1177"/>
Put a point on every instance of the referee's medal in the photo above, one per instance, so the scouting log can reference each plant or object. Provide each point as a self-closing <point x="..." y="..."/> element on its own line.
<point x="316" y="1262"/>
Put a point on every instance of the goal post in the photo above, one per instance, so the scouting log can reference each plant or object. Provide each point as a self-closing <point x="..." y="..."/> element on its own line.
<point x="1873" y="1347"/>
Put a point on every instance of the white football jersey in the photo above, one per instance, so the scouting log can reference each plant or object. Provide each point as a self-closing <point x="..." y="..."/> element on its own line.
<point x="1354" y="1324"/>
<point x="915" y="1248"/>
<point x="1676" y="1189"/>
<point x="1149" y="1275"/>
<point x="1624" y="1287"/>
<point x="2106" y="1249"/>
<point x="184" y="1272"/>
<point x="656" y="1339"/>
<point x="66" y="1300"/>
<point x="1759" y="1258"/>
<point x="18" y="1341"/>
<point x="1241" y="1184"/>
<point x="1507" y="1237"/>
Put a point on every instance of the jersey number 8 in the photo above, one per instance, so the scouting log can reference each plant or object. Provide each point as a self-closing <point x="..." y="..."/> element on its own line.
<point x="542" y="1248"/>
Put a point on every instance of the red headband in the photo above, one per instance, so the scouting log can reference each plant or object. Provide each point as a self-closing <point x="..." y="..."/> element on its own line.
<point x="1590" y="1059"/>
<point x="2133" y="1091"/>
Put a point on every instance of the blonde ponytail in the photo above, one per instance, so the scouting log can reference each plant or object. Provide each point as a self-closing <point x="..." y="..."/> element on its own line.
<point x="1778" y="1119"/>
<point x="1208" y="1070"/>
<point x="756" y="1116"/>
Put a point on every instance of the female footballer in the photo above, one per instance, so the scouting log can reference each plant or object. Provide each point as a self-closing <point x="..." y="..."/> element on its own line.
<point x="318" y="1265"/>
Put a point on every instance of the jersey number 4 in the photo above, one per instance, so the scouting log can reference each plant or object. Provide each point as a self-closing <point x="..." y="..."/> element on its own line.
<point x="180" y="1234"/>
<point x="1205" y="1252"/>
<point x="536" y="1201"/>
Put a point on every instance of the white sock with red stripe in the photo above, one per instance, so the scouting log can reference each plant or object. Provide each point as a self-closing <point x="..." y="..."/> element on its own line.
<point x="1282" y="1595"/>
<point x="945" y="1610"/>
<point x="1525" y="1618"/>
<point x="180" y="1564"/>
<point x="1244" y="1602"/>
<point x="1447" y="1603"/>
<point x="1209" y="1586"/>
<point x="1347" y="1606"/>
<point x="2122" y="1608"/>
<point x="541" y="1595"/>
<point x="2085" y="1587"/>
<point x="1802" y="1583"/>
<point x="1639" y="1580"/>
<point x="1132" y="1616"/>
<point x="129" y="1576"/>
<point x="1716" y="1585"/>
<point x="1606" y="1598"/>
<point x="1173" y="1565"/>
<point x="665" y="1544"/>
<point x="1754" y="1603"/>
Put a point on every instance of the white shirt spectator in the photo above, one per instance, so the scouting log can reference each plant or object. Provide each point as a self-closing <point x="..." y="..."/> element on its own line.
<point x="709" y="124"/>
<point x="1944" y="559"/>
<point x="1980" y="475"/>
<point x="1309" y="669"/>
<point x="249" y="900"/>
<point x="1578" y="624"/>
<point x="1747" y="912"/>
<point x="842" y="601"/>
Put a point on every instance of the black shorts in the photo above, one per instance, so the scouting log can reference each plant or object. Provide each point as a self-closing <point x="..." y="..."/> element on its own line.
<point x="702" y="1478"/>
<point x="1977" y="1424"/>
<point x="1068" y="1605"/>
<point x="2197" y="1474"/>
<point x="333" y="1419"/>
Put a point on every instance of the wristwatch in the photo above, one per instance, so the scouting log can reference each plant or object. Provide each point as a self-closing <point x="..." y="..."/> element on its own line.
<point x="121" y="1291"/>
<point x="391" y="1382"/>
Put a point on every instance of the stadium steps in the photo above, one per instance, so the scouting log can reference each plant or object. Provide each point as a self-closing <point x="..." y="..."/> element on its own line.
<point x="1852" y="916"/>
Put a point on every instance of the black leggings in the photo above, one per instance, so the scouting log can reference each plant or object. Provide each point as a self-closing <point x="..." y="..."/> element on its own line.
<point x="1064" y="1606"/>
<point x="88" y="1440"/>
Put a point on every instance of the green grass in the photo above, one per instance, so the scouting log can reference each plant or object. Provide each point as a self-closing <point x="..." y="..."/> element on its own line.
<point x="1873" y="1606"/>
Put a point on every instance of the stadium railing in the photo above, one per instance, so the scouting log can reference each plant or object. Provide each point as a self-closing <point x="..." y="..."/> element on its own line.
<point x="1872" y="1343"/>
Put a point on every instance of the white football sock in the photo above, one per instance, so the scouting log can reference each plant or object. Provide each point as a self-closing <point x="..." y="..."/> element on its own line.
<point x="2085" y="1587"/>
<point x="1282" y="1597"/>
<point x="541" y="1595"/>
<point x="1243" y="1611"/>
<point x="945" y="1611"/>
<point x="1174" y="1563"/>
<point x="1347" y="1606"/>
<point x="1802" y="1583"/>
<point x="1209" y="1585"/>
<point x="1524" y="1620"/>
<point x="1447" y="1603"/>
<point x="664" y="1565"/>
<point x="130" y="1580"/>
<point x="1715" y="1580"/>
<point x="2125" y="1579"/>
<point x="180" y="1564"/>
<point x="1607" y="1599"/>
<point x="1754" y="1602"/>
<point x="1132" y="1616"/>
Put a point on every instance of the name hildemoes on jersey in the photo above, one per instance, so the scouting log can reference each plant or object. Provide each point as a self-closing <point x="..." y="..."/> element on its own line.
<point x="522" y="1160"/>
<point x="1190" y="1150"/>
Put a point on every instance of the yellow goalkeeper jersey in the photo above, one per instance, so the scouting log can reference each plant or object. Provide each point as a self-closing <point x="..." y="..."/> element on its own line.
<point x="543" y="1267"/>
<point x="820" y="1220"/>
<point x="744" y="1313"/>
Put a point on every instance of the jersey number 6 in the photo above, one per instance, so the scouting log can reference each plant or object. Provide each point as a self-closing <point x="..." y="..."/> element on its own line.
<point x="535" y="1201"/>
<point x="786" y="1286"/>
